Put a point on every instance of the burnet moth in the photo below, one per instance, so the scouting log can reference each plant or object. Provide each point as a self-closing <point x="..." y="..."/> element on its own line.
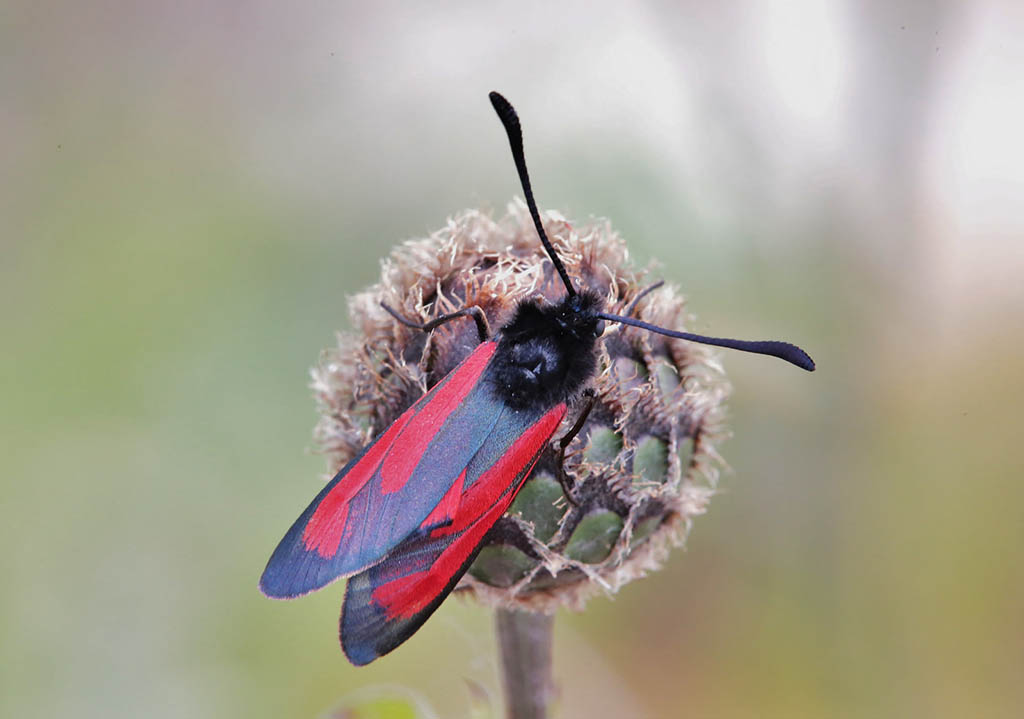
<point x="407" y="516"/>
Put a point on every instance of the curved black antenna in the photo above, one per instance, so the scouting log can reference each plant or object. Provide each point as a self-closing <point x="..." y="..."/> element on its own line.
<point x="646" y="291"/>
<point x="783" y="350"/>
<point x="509" y="118"/>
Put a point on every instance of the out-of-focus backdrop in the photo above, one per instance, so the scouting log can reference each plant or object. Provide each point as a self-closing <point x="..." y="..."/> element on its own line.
<point x="189" y="191"/>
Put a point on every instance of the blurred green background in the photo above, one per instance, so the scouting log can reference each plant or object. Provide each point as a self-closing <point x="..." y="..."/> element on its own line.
<point x="190" y="191"/>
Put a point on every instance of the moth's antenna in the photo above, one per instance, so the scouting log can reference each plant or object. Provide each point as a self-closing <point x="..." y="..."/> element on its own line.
<point x="509" y="118"/>
<point x="783" y="350"/>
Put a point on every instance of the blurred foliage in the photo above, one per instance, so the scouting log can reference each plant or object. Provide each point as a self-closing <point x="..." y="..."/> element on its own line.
<point x="189" y="195"/>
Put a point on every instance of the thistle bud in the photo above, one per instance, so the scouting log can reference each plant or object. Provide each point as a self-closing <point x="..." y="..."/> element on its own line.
<point x="643" y="465"/>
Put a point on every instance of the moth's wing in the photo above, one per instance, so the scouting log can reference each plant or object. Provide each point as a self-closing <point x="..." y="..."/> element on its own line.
<point x="410" y="473"/>
<point x="388" y="602"/>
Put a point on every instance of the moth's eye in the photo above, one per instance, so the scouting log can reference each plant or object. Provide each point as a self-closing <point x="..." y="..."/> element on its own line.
<point x="599" y="328"/>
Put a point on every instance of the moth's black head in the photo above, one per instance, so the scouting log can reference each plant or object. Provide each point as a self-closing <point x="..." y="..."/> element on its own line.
<point x="546" y="352"/>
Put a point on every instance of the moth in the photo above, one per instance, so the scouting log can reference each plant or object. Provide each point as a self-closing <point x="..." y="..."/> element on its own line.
<point x="406" y="517"/>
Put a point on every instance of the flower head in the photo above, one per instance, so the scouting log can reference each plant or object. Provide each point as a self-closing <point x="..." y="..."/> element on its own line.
<point x="643" y="465"/>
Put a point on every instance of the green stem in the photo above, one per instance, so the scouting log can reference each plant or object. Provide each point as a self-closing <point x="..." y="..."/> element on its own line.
<point x="524" y="640"/>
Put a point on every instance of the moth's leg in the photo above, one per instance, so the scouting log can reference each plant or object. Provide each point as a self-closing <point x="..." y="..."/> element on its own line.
<point x="482" y="328"/>
<point x="646" y="291"/>
<point x="563" y="478"/>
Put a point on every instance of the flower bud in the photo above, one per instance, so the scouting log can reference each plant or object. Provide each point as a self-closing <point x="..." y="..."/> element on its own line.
<point x="643" y="465"/>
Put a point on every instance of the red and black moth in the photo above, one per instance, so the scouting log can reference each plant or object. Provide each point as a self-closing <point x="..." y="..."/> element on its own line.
<point x="406" y="517"/>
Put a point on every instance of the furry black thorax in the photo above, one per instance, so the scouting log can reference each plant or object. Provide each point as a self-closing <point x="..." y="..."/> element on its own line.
<point x="546" y="352"/>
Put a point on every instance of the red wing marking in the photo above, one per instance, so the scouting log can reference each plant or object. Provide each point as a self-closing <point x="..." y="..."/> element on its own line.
<point x="398" y="465"/>
<point x="481" y="506"/>
<point x="448" y="506"/>
<point x="325" y="528"/>
<point x="395" y="454"/>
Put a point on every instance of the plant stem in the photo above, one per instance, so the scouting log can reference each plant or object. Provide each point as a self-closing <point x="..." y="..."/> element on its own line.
<point x="524" y="640"/>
